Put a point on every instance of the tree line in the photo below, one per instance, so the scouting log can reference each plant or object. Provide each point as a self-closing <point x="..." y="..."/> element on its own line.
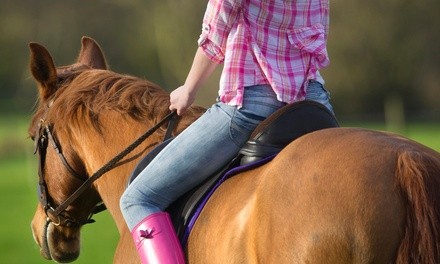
<point x="383" y="53"/>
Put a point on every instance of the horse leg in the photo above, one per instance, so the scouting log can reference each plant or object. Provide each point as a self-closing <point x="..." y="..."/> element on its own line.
<point x="125" y="251"/>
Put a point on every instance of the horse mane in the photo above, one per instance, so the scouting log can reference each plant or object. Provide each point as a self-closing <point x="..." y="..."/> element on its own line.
<point x="83" y="95"/>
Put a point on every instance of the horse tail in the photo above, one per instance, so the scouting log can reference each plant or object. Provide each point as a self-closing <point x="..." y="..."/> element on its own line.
<point x="418" y="174"/>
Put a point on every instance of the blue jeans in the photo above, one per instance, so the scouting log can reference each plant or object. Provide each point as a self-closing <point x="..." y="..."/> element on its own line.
<point x="199" y="151"/>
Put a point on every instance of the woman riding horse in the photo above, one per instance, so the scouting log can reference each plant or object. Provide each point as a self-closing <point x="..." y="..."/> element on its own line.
<point x="272" y="52"/>
<point x="340" y="195"/>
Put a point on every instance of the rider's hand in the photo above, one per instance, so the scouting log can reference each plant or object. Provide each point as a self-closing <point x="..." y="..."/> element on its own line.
<point x="181" y="99"/>
<point x="184" y="96"/>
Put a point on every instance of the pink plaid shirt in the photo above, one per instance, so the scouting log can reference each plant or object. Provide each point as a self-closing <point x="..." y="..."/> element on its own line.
<point x="277" y="42"/>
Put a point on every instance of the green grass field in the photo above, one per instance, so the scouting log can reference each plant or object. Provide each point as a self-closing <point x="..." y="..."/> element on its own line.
<point x="18" y="190"/>
<point x="18" y="183"/>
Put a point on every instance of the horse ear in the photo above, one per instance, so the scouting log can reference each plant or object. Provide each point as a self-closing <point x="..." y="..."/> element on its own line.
<point x="43" y="70"/>
<point x="91" y="54"/>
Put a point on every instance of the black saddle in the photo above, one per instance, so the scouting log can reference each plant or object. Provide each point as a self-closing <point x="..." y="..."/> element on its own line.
<point x="284" y="126"/>
<point x="268" y="139"/>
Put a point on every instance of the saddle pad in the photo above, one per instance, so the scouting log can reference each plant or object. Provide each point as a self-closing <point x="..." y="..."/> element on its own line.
<point x="188" y="225"/>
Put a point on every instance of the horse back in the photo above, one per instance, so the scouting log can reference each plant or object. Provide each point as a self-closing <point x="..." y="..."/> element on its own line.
<point x="332" y="196"/>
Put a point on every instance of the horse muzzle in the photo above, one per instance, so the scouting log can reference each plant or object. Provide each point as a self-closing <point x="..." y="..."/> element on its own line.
<point x="58" y="243"/>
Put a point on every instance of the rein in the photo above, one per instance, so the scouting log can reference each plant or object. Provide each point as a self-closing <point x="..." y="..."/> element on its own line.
<point x="41" y="146"/>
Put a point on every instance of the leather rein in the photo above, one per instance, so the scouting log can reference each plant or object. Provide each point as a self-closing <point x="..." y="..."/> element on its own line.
<point x="57" y="215"/>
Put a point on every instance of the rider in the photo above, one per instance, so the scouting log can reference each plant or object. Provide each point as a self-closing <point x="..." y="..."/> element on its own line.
<point x="271" y="53"/>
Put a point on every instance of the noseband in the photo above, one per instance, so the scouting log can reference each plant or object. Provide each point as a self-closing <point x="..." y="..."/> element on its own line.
<point x="57" y="214"/>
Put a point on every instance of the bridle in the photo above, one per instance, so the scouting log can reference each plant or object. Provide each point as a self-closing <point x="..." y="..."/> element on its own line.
<point x="58" y="214"/>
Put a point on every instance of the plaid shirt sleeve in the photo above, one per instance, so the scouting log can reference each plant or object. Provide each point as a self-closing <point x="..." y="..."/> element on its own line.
<point x="218" y="21"/>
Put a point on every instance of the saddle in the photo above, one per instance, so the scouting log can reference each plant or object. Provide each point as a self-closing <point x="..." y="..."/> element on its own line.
<point x="268" y="139"/>
<point x="285" y="125"/>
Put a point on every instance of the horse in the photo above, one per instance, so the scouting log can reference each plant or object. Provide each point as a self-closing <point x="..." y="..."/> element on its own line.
<point x="337" y="195"/>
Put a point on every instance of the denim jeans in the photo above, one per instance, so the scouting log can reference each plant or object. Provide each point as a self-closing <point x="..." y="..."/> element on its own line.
<point x="317" y="92"/>
<point x="200" y="150"/>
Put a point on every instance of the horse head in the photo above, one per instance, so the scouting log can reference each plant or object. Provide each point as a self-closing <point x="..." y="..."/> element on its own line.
<point x="61" y="171"/>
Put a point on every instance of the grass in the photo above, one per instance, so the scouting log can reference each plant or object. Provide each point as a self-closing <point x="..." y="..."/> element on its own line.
<point x="427" y="134"/>
<point x="18" y="187"/>
<point x="18" y="190"/>
<point x="19" y="199"/>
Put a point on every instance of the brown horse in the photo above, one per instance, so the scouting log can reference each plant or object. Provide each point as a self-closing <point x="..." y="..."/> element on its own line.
<point x="340" y="195"/>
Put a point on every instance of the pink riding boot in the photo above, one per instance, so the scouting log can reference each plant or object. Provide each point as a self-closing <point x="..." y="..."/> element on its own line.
<point x="156" y="240"/>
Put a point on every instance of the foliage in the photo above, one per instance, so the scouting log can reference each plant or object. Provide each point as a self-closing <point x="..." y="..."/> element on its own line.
<point x="383" y="48"/>
<point x="378" y="48"/>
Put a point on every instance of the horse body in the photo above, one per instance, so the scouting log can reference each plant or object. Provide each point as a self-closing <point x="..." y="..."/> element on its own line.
<point x="342" y="195"/>
<point x="332" y="217"/>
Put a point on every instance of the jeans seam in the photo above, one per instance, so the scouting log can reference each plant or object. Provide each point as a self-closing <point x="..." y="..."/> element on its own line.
<point x="233" y="126"/>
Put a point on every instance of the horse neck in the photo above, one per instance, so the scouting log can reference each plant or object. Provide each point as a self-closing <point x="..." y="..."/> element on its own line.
<point x="118" y="132"/>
